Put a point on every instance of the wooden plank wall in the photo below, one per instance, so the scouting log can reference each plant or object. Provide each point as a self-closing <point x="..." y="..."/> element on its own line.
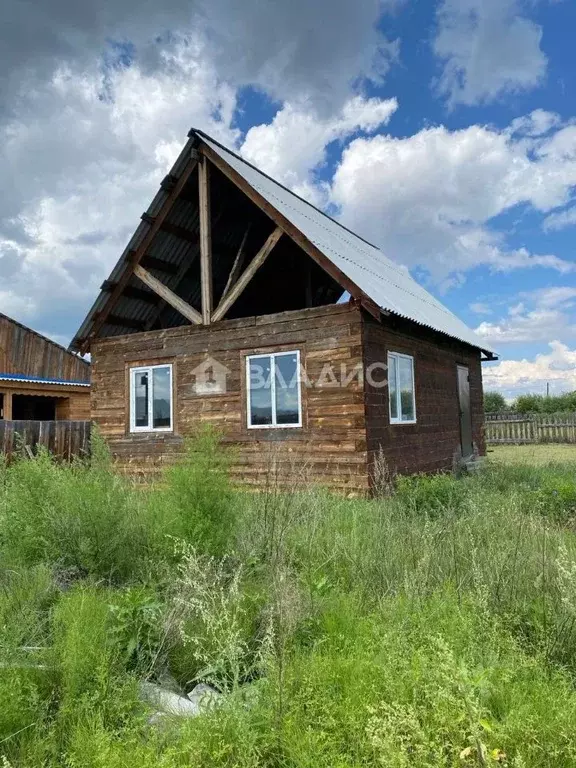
<point x="433" y="443"/>
<point x="517" y="428"/>
<point x="330" y="448"/>
<point x="26" y="352"/>
<point x="65" y="439"/>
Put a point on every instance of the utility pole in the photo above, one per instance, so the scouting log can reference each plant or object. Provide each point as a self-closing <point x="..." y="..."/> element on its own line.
<point x="547" y="389"/>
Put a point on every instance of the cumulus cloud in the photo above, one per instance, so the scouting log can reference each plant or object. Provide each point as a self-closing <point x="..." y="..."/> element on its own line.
<point x="288" y="48"/>
<point x="295" y="142"/>
<point x="429" y="199"/>
<point x="516" y="377"/>
<point x="560" y="220"/>
<point x="488" y="48"/>
<point x="537" y="123"/>
<point x="79" y="169"/>
<point x="549" y="314"/>
<point x="96" y="99"/>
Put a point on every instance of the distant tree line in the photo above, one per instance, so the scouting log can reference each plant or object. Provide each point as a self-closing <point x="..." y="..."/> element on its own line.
<point x="494" y="402"/>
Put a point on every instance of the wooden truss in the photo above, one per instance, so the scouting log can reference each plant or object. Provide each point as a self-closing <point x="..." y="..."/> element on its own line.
<point x="237" y="280"/>
<point x="239" y="277"/>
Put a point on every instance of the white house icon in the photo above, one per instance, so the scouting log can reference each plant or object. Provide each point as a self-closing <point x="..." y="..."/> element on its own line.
<point x="210" y="377"/>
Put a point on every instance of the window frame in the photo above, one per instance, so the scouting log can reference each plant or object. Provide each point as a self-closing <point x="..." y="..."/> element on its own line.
<point x="149" y="370"/>
<point x="398" y="419"/>
<point x="273" y="356"/>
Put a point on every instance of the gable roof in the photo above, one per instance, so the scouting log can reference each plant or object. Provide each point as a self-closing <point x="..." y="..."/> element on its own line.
<point x="363" y="266"/>
<point x="26" y="355"/>
<point x="389" y="285"/>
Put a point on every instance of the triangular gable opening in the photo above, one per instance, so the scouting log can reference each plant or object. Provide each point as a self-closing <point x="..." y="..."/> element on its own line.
<point x="255" y="267"/>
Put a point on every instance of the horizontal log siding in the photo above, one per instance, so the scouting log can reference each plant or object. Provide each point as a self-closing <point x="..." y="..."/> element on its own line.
<point x="330" y="449"/>
<point x="432" y="443"/>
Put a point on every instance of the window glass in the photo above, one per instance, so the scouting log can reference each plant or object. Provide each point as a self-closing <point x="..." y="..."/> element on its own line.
<point x="392" y="386"/>
<point x="405" y="381"/>
<point x="260" y="390"/>
<point x="161" y="397"/>
<point x="151" y="398"/>
<point x="141" y="398"/>
<point x="401" y="388"/>
<point x="287" y="389"/>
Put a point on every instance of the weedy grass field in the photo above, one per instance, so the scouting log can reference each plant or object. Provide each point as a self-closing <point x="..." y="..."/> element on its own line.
<point x="435" y="626"/>
<point x="539" y="454"/>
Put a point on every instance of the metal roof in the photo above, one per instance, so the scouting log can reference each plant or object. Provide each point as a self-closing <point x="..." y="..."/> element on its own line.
<point x="41" y="380"/>
<point x="388" y="284"/>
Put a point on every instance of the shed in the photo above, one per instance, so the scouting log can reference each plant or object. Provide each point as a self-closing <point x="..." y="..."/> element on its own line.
<point x="39" y="379"/>
<point x="240" y="304"/>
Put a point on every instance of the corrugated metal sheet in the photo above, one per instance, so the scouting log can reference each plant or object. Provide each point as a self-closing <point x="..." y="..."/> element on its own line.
<point x="40" y="380"/>
<point x="389" y="285"/>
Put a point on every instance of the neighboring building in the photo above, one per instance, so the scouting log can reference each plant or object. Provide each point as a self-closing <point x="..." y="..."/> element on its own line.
<point x="225" y="308"/>
<point x="40" y="380"/>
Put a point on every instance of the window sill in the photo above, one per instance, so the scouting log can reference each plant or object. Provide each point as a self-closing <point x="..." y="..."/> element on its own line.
<point x="274" y="426"/>
<point x="157" y="431"/>
<point x="402" y="423"/>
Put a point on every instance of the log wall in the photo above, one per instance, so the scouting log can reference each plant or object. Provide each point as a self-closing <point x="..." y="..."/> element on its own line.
<point x="330" y="449"/>
<point x="433" y="443"/>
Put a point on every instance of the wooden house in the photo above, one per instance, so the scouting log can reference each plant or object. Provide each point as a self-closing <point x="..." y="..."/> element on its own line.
<point x="240" y="304"/>
<point x="39" y="379"/>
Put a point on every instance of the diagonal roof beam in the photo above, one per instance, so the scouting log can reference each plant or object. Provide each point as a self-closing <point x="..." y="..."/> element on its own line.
<point x="228" y="300"/>
<point x="291" y="230"/>
<point x="141" y="250"/>
<point x="169" y="296"/>
<point x="237" y="266"/>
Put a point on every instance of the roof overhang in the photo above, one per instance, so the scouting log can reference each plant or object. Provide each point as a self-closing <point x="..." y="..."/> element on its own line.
<point x="380" y="286"/>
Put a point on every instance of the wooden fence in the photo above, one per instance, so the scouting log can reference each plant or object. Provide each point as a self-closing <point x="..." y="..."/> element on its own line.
<point x="508" y="427"/>
<point x="65" y="439"/>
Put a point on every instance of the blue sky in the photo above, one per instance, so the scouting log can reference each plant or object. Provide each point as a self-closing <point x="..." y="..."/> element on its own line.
<point x="445" y="132"/>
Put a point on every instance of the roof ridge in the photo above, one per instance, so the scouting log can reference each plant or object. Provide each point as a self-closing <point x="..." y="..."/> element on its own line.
<point x="286" y="189"/>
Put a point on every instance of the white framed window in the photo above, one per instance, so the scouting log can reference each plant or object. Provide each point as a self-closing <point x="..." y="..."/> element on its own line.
<point x="151" y="407"/>
<point x="401" y="390"/>
<point x="273" y="390"/>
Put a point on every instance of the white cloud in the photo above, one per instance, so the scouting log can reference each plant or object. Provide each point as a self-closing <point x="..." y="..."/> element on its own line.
<point x="515" y="377"/>
<point x="537" y="123"/>
<point x="295" y="142"/>
<point x="289" y="49"/>
<point x="488" y="48"/>
<point x="550" y="315"/>
<point x="428" y="199"/>
<point x="89" y="125"/>
<point x="560" y="220"/>
<point x="78" y="171"/>
<point x="480" y="308"/>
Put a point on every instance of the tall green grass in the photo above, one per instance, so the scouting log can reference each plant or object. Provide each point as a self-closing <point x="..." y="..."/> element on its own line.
<point x="433" y="627"/>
